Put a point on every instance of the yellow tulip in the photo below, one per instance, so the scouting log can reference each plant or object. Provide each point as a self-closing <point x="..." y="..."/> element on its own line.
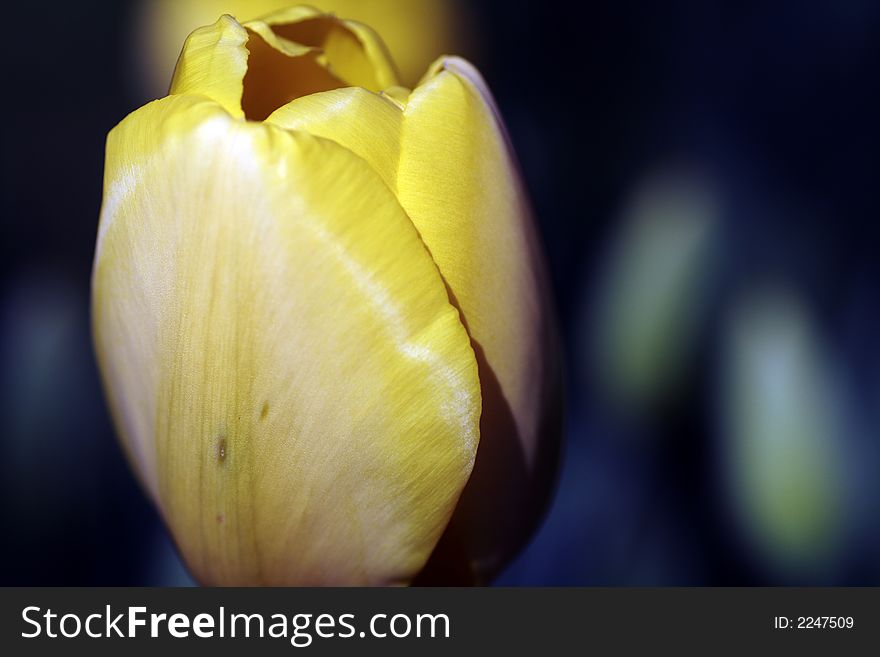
<point x="416" y="31"/>
<point x="316" y="294"/>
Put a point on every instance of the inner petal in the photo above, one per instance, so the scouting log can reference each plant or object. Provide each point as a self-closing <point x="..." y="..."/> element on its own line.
<point x="346" y="55"/>
<point x="274" y="78"/>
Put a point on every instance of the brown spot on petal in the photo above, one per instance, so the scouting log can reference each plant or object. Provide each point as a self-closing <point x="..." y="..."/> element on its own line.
<point x="265" y="412"/>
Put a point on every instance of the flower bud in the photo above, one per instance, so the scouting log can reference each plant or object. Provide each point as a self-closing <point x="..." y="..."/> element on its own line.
<point x="318" y="299"/>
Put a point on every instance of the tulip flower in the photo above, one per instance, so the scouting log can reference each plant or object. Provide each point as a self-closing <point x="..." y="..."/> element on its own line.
<point x="318" y="302"/>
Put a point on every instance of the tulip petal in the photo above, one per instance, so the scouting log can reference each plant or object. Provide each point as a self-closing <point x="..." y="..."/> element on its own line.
<point x="213" y="63"/>
<point x="478" y="229"/>
<point x="354" y="51"/>
<point x="280" y="71"/>
<point x="458" y="181"/>
<point x="249" y="70"/>
<point x="267" y="317"/>
<point x="366" y="123"/>
<point x="477" y="226"/>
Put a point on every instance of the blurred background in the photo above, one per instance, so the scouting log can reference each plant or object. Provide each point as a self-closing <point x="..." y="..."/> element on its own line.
<point x="703" y="178"/>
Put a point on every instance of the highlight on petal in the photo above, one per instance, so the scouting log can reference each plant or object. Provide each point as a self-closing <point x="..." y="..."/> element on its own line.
<point x="279" y="350"/>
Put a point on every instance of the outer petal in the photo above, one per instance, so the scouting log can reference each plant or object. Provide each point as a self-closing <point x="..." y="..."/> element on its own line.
<point x="459" y="183"/>
<point x="279" y="351"/>
<point x="444" y="151"/>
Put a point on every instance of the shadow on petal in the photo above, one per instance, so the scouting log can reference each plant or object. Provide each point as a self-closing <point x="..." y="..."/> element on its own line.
<point x="504" y="499"/>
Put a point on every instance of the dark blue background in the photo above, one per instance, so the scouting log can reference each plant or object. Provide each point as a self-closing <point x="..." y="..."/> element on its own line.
<point x="775" y="104"/>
